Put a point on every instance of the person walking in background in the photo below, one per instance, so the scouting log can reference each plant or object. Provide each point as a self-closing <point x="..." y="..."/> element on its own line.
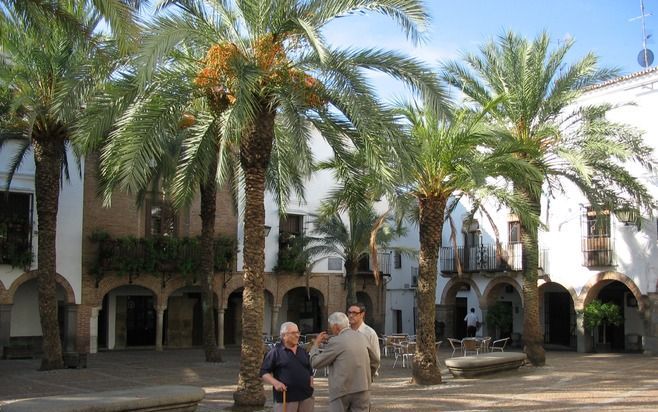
<point x="351" y="365"/>
<point x="287" y="367"/>
<point x="357" y="315"/>
<point x="472" y="321"/>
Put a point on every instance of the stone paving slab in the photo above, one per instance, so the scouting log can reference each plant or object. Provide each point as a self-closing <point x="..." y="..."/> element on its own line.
<point x="569" y="382"/>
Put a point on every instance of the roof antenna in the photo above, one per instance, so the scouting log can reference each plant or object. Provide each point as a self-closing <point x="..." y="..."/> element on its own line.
<point x="645" y="57"/>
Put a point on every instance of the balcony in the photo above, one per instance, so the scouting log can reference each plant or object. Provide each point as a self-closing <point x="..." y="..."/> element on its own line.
<point x="597" y="251"/>
<point x="383" y="261"/>
<point x="163" y="256"/>
<point x="486" y="258"/>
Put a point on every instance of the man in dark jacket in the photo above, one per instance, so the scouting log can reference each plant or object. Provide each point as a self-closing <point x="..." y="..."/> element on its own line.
<point x="287" y="368"/>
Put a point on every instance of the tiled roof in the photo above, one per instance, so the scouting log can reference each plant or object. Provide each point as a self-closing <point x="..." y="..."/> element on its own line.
<point x="622" y="79"/>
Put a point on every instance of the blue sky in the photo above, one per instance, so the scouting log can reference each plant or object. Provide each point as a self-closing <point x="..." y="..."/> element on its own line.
<point x="600" y="26"/>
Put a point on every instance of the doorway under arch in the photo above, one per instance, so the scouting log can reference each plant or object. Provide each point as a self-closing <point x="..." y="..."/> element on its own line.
<point x="183" y="318"/>
<point x="559" y="315"/>
<point x="24" y="321"/>
<point x="127" y="318"/>
<point x="504" y="316"/>
<point x="307" y="310"/>
<point x="458" y="296"/>
<point x="614" y="291"/>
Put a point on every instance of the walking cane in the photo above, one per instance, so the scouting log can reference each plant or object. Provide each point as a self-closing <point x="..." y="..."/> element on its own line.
<point x="284" y="401"/>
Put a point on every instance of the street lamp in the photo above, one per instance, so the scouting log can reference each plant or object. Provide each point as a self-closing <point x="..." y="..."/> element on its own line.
<point x="626" y="215"/>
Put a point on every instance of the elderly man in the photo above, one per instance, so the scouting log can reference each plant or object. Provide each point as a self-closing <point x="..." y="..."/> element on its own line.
<point x="357" y="315"/>
<point x="287" y="368"/>
<point x="351" y="365"/>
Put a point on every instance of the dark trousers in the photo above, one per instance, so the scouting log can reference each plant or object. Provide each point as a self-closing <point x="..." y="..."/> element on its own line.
<point x="470" y="331"/>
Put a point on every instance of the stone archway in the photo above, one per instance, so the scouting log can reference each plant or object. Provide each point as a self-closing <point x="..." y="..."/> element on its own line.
<point x="4" y="295"/>
<point x="458" y="294"/>
<point x="69" y="294"/>
<point x="557" y="311"/>
<point x="495" y="284"/>
<point x="233" y="318"/>
<point x="594" y="285"/>
<point x="230" y="316"/>
<point x="305" y="307"/>
<point x="130" y="316"/>
<point x="502" y="309"/>
<point x="19" y="315"/>
<point x="617" y="288"/>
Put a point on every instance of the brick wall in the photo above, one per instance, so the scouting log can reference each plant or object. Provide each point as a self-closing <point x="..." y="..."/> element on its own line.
<point x="125" y="218"/>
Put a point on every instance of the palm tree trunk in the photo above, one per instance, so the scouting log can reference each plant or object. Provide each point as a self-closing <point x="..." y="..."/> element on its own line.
<point x="425" y="368"/>
<point x="350" y="280"/>
<point x="48" y="151"/>
<point x="533" y="339"/>
<point x="208" y="209"/>
<point x="255" y="151"/>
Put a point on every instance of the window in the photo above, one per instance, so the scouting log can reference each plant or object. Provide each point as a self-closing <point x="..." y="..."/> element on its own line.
<point x="334" y="263"/>
<point x="514" y="232"/>
<point x="292" y="224"/>
<point x="414" y="276"/>
<point x="290" y="227"/>
<point x="596" y="241"/>
<point x="161" y="219"/>
<point x="397" y="260"/>
<point x="16" y="229"/>
<point x="291" y="245"/>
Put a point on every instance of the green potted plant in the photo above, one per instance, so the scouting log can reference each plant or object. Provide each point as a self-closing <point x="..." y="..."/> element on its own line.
<point x="499" y="319"/>
<point x="599" y="315"/>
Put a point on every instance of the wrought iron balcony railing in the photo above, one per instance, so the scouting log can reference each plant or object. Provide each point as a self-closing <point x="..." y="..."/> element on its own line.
<point x="486" y="258"/>
<point x="383" y="262"/>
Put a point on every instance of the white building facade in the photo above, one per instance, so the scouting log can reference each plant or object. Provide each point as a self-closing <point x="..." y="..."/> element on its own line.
<point x="582" y="257"/>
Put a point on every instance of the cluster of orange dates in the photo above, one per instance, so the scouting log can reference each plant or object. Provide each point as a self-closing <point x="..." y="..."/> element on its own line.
<point x="218" y="77"/>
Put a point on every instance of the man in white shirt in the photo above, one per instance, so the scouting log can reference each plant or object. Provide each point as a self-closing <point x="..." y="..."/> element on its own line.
<point x="356" y="315"/>
<point x="472" y="321"/>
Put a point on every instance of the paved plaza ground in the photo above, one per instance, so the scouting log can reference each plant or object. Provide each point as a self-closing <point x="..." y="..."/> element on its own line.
<point x="569" y="382"/>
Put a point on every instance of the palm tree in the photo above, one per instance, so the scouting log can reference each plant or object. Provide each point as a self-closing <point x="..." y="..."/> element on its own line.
<point x="39" y="15"/>
<point x="450" y="157"/>
<point x="266" y="76"/>
<point x="50" y="78"/>
<point x="534" y="87"/>
<point x="350" y="240"/>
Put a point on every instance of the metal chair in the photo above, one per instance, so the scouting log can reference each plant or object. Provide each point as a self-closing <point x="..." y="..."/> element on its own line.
<point x="405" y="351"/>
<point x="399" y="349"/>
<point x="470" y="345"/>
<point x="438" y="345"/>
<point x="499" y="344"/>
<point x="484" y="344"/>
<point x="382" y="346"/>
<point x="455" y="344"/>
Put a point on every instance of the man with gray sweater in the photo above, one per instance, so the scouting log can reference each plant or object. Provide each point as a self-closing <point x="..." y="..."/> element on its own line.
<point x="351" y="365"/>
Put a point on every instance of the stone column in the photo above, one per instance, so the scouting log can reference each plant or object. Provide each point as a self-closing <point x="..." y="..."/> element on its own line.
<point x="5" y="326"/>
<point x="220" y="327"/>
<point x="275" y="320"/>
<point x="93" y="330"/>
<point x="70" y="327"/>
<point x="159" y="327"/>
<point x="581" y="338"/>
<point x="650" y="317"/>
